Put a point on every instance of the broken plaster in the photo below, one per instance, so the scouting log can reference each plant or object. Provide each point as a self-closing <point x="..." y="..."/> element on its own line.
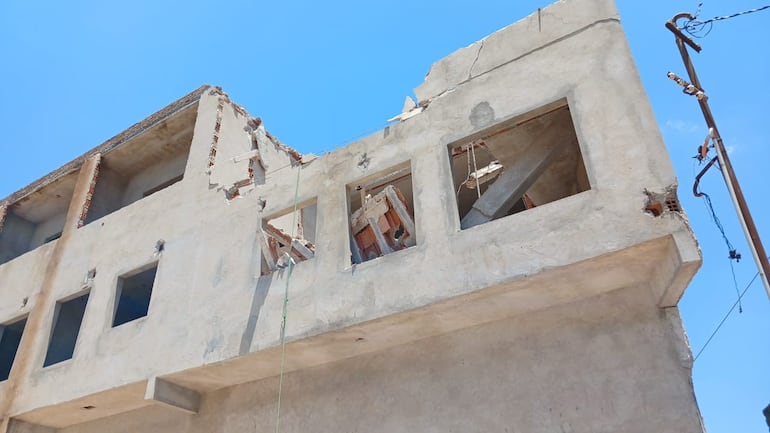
<point x="3" y="213"/>
<point x="659" y="203"/>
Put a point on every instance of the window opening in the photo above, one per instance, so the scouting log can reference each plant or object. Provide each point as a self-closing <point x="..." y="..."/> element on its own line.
<point x="10" y="339"/>
<point x="382" y="218"/>
<point x="278" y="248"/>
<point x="133" y="295"/>
<point x="37" y="218"/>
<point x="163" y="185"/>
<point x="520" y="164"/>
<point x="68" y="315"/>
<point x="144" y="165"/>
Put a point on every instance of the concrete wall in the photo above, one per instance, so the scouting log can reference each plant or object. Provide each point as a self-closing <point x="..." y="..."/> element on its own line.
<point x="47" y="228"/>
<point x="153" y="176"/>
<point x="108" y="194"/>
<point x="613" y="363"/>
<point x="213" y="322"/>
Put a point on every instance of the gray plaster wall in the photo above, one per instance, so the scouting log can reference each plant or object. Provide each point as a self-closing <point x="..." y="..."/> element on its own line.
<point x="108" y="193"/>
<point x="153" y="176"/>
<point x="614" y="363"/>
<point x="210" y="308"/>
<point x="49" y="227"/>
<point x="16" y="237"/>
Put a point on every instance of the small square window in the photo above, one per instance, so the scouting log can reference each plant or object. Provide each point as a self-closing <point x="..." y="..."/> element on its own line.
<point x="10" y="338"/>
<point x="133" y="297"/>
<point x="382" y="216"/>
<point x="67" y="318"/>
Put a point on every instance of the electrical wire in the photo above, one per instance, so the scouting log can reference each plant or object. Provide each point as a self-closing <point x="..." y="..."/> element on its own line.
<point x="732" y="252"/>
<point x="284" y="313"/>
<point x="725" y="318"/>
<point x="701" y="29"/>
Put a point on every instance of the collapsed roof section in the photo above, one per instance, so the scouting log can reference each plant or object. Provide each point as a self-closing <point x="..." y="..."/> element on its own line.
<point x="242" y="152"/>
<point x="148" y="157"/>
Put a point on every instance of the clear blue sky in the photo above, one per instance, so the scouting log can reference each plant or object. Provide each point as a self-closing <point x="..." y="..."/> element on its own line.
<point x="322" y="74"/>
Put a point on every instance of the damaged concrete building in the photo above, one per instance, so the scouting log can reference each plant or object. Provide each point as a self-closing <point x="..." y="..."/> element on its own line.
<point x="507" y="255"/>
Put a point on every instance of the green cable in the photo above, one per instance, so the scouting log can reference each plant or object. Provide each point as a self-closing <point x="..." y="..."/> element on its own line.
<point x="286" y="305"/>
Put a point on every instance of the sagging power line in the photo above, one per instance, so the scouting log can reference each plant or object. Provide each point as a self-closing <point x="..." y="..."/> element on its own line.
<point x="700" y="29"/>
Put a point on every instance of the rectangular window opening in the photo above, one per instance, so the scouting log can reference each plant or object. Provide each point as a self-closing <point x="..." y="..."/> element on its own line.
<point x="381" y="214"/>
<point x="68" y="315"/>
<point x="133" y="295"/>
<point x="143" y="165"/>
<point x="520" y="164"/>
<point x="37" y="218"/>
<point x="278" y="246"/>
<point x="10" y="339"/>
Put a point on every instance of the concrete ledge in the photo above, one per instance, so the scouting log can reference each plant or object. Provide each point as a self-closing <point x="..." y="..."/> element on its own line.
<point x="16" y="426"/>
<point x="172" y="395"/>
<point x="642" y="267"/>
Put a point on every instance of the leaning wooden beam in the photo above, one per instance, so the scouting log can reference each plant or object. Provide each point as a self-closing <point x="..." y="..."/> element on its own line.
<point x="383" y="244"/>
<point x="403" y="214"/>
<point x="301" y="249"/>
<point x="511" y="184"/>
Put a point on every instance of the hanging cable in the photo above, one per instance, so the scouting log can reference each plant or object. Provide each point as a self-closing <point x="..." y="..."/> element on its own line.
<point x="733" y="254"/>
<point x="725" y="318"/>
<point x="701" y="29"/>
<point x="476" y="171"/>
<point x="286" y="303"/>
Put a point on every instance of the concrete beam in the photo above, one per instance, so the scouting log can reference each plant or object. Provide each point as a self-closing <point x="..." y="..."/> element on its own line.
<point x="17" y="426"/>
<point x="515" y="180"/>
<point x="172" y="395"/>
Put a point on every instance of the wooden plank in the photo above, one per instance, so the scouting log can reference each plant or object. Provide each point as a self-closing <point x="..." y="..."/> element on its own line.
<point x="401" y="211"/>
<point x="304" y="251"/>
<point x="381" y="242"/>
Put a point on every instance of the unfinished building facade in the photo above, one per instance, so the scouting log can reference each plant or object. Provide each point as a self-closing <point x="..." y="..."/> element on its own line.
<point x="487" y="263"/>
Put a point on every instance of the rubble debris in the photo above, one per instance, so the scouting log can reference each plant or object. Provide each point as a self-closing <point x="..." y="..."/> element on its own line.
<point x="278" y="248"/>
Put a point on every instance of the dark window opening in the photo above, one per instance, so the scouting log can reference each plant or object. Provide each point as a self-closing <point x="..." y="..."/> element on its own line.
<point x="163" y="185"/>
<point x="68" y="316"/>
<point x="37" y="218"/>
<point x="133" y="296"/>
<point x="279" y="249"/>
<point x="382" y="215"/>
<point x="523" y="163"/>
<point x="10" y="339"/>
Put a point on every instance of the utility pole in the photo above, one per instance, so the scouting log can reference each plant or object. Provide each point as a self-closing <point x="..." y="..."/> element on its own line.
<point x="744" y="216"/>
